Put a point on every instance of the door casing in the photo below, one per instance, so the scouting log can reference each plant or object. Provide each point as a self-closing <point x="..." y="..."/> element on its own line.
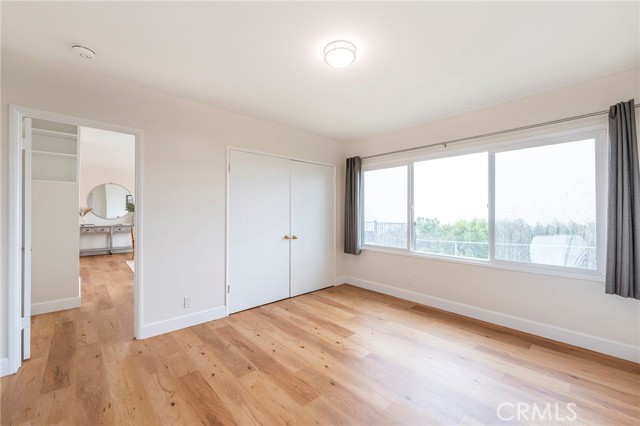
<point x="15" y="229"/>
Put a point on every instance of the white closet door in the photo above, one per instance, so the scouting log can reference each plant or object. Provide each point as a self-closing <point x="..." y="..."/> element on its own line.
<point x="312" y="227"/>
<point x="258" y="223"/>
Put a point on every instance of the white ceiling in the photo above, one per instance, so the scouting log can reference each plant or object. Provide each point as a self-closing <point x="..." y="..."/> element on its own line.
<point x="417" y="61"/>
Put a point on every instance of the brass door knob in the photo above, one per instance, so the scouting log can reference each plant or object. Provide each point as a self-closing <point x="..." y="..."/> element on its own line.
<point x="294" y="237"/>
<point x="286" y="237"/>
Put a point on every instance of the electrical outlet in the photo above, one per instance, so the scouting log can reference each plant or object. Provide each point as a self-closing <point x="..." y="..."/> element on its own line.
<point x="188" y="302"/>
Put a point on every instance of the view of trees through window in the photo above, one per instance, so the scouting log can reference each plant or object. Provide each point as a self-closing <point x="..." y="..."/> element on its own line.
<point x="544" y="206"/>
<point x="463" y="238"/>
<point x="450" y="206"/>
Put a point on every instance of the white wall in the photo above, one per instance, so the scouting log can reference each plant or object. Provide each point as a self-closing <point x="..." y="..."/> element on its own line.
<point x="573" y="310"/>
<point x="184" y="156"/>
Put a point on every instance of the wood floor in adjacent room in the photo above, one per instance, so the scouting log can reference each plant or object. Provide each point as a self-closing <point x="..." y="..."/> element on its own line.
<point x="337" y="356"/>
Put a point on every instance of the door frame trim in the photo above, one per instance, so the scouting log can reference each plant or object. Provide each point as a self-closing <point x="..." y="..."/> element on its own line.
<point x="270" y="154"/>
<point x="14" y="244"/>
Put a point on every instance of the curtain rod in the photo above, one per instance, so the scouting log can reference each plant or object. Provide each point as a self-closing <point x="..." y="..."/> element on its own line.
<point x="500" y="132"/>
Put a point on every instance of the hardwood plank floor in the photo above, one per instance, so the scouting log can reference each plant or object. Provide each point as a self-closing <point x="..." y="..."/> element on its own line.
<point x="341" y="355"/>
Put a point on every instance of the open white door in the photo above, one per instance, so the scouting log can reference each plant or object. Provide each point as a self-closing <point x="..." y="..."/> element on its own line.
<point x="26" y="239"/>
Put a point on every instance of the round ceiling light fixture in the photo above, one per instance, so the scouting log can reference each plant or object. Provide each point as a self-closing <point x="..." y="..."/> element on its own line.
<point x="340" y="53"/>
<point x="83" y="51"/>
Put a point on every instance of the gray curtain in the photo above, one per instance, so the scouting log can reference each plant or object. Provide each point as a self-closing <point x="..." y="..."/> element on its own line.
<point x="353" y="206"/>
<point x="623" y="231"/>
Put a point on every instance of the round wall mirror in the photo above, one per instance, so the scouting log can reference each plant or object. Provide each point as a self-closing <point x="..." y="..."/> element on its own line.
<point x="109" y="200"/>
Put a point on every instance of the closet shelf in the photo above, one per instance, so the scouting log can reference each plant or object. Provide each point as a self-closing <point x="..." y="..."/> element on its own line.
<point x="53" y="133"/>
<point x="54" y="154"/>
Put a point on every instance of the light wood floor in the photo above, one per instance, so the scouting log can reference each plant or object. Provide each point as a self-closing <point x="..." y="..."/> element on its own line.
<point x="337" y="356"/>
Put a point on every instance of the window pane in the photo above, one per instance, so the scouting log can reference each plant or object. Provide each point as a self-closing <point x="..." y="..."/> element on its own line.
<point x="450" y="206"/>
<point x="385" y="207"/>
<point x="546" y="205"/>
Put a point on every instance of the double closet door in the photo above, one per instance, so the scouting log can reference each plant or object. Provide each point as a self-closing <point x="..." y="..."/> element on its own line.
<point x="281" y="229"/>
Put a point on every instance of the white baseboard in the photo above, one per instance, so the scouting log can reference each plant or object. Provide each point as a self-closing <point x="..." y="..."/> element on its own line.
<point x="576" y="338"/>
<point x="4" y="367"/>
<point x="55" y="305"/>
<point x="184" y="321"/>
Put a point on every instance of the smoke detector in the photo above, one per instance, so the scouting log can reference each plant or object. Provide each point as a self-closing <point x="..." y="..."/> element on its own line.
<point x="83" y="51"/>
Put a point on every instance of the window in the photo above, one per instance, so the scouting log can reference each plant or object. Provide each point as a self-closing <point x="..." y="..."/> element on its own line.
<point x="385" y="207"/>
<point x="450" y="206"/>
<point x="536" y="204"/>
<point x="546" y="205"/>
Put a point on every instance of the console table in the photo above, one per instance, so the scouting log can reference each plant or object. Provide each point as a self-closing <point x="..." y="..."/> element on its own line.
<point x="108" y="247"/>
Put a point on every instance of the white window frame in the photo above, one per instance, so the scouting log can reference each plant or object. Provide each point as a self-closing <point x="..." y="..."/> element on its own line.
<point x="539" y="138"/>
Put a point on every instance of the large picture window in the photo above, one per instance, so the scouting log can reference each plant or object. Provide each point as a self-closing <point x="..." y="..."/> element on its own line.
<point x="450" y="206"/>
<point x="534" y="204"/>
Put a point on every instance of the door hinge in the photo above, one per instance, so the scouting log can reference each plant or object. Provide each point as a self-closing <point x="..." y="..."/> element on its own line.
<point x="24" y="323"/>
<point x="229" y="166"/>
<point x="229" y="288"/>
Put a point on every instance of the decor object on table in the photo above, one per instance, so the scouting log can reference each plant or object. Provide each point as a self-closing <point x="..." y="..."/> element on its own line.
<point x="83" y="213"/>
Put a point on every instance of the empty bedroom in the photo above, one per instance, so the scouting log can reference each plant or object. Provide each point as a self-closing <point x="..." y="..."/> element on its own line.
<point x="320" y="213"/>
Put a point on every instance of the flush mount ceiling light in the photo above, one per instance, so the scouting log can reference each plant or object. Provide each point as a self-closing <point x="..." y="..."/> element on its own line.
<point x="340" y="53"/>
<point x="83" y="51"/>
